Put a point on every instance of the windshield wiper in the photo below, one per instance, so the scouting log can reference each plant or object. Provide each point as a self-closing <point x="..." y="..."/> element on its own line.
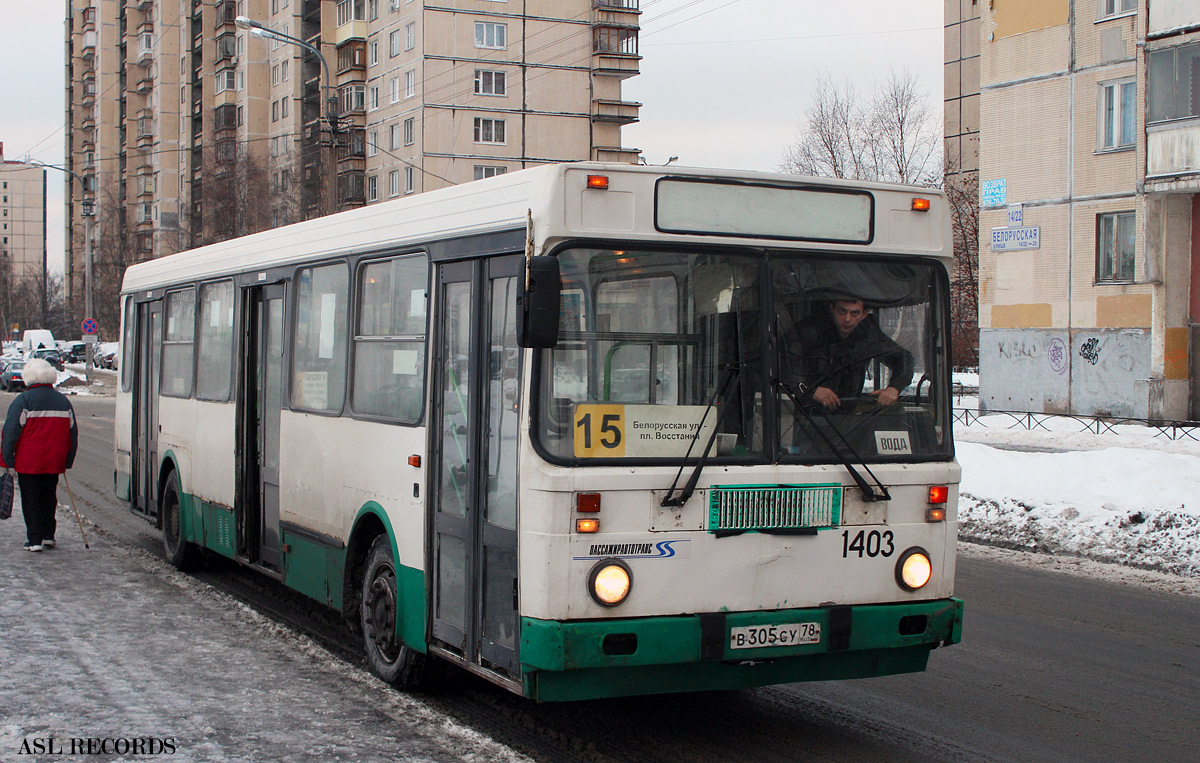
<point x="670" y="499"/>
<point x="868" y="492"/>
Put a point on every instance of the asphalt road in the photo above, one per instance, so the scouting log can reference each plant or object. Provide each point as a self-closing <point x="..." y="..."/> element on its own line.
<point x="1052" y="668"/>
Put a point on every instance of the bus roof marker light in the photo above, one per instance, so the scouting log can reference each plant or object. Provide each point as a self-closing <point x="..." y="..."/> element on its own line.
<point x="599" y="182"/>
<point x="920" y="205"/>
<point x="610" y="582"/>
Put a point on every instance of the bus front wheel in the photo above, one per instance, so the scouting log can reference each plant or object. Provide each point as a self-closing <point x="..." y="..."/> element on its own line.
<point x="181" y="554"/>
<point x="392" y="661"/>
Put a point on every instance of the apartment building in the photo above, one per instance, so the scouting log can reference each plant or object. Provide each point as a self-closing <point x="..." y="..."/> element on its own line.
<point x="22" y="244"/>
<point x="199" y="120"/>
<point x="1089" y="170"/>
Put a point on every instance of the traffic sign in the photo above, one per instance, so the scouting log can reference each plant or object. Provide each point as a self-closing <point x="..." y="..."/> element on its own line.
<point x="90" y="326"/>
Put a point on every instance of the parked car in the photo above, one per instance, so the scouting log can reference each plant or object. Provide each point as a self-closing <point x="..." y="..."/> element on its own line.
<point x="53" y="357"/>
<point x="73" y="352"/>
<point x="11" y="378"/>
<point x="106" y="355"/>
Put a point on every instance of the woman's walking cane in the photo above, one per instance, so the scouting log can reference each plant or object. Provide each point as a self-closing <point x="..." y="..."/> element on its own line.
<point x="77" y="519"/>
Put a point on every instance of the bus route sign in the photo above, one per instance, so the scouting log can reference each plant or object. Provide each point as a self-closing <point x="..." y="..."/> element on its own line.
<point x="90" y="326"/>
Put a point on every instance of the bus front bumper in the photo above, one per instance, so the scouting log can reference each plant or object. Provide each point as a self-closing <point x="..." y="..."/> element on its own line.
<point x="604" y="658"/>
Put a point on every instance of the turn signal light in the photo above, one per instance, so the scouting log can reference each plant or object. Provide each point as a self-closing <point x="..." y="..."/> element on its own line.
<point x="587" y="525"/>
<point x="935" y="514"/>
<point x="599" y="182"/>
<point x="920" y="205"/>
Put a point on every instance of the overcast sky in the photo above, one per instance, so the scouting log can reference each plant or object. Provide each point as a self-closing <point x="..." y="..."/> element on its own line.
<point x="723" y="83"/>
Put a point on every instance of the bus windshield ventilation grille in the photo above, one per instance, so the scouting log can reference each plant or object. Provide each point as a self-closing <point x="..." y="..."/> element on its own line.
<point x="774" y="508"/>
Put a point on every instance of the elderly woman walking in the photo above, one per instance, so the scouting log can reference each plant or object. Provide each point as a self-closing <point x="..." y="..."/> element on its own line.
<point x="39" y="441"/>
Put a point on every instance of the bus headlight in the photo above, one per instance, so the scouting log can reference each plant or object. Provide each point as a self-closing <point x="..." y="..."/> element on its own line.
<point x="610" y="582"/>
<point x="913" y="569"/>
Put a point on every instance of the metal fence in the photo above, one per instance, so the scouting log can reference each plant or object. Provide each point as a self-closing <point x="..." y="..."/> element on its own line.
<point x="1174" y="430"/>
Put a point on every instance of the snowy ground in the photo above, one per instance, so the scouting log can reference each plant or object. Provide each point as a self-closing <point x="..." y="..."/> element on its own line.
<point x="1125" y="497"/>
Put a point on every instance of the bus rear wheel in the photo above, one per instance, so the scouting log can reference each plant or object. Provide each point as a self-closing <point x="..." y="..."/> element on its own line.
<point x="181" y="554"/>
<point x="392" y="661"/>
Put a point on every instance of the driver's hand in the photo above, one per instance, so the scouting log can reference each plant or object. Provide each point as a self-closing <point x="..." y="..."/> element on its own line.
<point x="827" y="398"/>
<point x="886" y="396"/>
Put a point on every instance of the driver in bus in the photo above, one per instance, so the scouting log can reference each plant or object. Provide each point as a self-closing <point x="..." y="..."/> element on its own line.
<point x="835" y="346"/>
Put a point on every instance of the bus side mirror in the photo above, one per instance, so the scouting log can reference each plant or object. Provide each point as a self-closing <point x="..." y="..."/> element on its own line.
<point x="539" y="303"/>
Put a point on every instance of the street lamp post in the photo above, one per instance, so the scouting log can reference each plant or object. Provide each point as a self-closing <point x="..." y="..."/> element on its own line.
<point x="88" y="211"/>
<point x="259" y="30"/>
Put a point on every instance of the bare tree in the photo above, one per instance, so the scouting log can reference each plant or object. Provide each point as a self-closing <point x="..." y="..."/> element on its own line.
<point x="894" y="136"/>
<point x="962" y="194"/>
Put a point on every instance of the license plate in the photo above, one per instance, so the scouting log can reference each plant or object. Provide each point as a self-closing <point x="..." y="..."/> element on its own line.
<point x="788" y="634"/>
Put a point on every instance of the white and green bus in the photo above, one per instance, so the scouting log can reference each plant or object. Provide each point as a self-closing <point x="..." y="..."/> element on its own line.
<point x="566" y="427"/>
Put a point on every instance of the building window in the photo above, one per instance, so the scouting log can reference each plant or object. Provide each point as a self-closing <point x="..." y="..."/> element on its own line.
<point x="1118" y="114"/>
<point x="409" y="130"/>
<point x="1174" y="83"/>
<point x="394" y="44"/>
<point x="410" y="84"/>
<point x="374" y="97"/>
<point x="410" y="179"/>
<point x="486" y="171"/>
<point x="353" y="98"/>
<point x="1115" y="7"/>
<point x="491" y="35"/>
<point x="394" y="183"/>
<point x="226" y="80"/>
<point x="489" y="130"/>
<point x="394" y="135"/>
<point x="410" y="36"/>
<point x="351" y="10"/>
<point x="490" y="82"/>
<point x="372" y="188"/>
<point x="615" y="40"/>
<point x="395" y="88"/>
<point x="373" y="53"/>
<point x="373" y="143"/>
<point x="1115" y="237"/>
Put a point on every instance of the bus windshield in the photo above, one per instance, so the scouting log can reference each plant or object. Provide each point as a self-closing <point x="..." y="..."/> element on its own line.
<point x="747" y="356"/>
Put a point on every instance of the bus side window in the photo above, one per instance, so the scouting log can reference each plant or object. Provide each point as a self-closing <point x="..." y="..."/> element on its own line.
<point x="389" y="339"/>
<point x="319" y="339"/>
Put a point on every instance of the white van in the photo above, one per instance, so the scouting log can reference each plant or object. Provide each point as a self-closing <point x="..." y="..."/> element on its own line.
<point x="35" y="338"/>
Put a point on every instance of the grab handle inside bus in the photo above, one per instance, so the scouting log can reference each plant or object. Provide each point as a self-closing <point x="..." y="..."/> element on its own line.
<point x="539" y="301"/>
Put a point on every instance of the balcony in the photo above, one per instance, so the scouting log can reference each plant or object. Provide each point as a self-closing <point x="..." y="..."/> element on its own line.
<point x="145" y="5"/>
<point x="616" y="154"/>
<point x="145" y="84"/>
<point x="226" y="12"/>
<point x="615" y="112"/>
<point x="618" y="12"/>
<point x="615" y="50"/>
<point x="1173" y="150"/>
<point x="88" y="45"/>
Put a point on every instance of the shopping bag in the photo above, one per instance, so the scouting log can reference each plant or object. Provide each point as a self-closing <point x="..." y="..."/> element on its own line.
<point x="7" y="493"/>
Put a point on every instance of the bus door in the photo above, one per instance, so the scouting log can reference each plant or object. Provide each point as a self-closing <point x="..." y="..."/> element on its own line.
<point x="263" y="402"/>
<point x="474" y="454"/>
<point x="145" y="408"/>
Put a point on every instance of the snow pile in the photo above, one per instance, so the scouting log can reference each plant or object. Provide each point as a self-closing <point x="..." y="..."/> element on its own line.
<point x="1137" y="507"/>
<point x="1124" y="494"/>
